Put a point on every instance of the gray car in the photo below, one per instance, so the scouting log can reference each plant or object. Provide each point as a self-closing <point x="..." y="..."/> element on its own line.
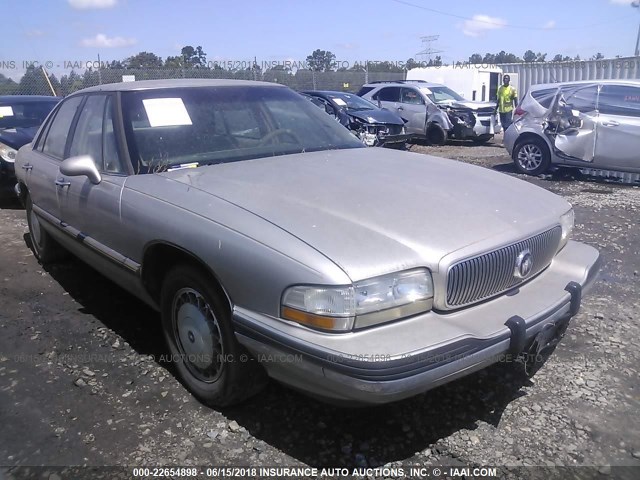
<point x="590" y="125"/>
<point x="273" y="241"/>
<point x="434" y="111"/>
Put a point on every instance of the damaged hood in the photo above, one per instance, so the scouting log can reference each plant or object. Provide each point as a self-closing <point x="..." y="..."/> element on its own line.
<point x="376" y="116"/>
<point x="375" y="210"/>
<point x="468" y="104"/>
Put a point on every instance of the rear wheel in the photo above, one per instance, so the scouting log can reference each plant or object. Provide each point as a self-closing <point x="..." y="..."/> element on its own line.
<point x="44" y="247"/>
<point x="531" y="156"/>
<point x="197" y="326"/>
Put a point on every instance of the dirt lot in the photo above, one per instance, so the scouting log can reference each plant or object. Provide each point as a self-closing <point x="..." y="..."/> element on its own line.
<point x="82" y="377"/>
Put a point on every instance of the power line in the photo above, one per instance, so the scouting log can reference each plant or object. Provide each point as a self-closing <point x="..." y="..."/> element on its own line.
<point x="501" y="24"/>
<point x="427" y="51"/>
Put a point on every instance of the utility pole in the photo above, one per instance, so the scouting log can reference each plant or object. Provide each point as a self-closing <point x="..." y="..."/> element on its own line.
<point x="428" y="50"/>
<point x="636" y="4"/>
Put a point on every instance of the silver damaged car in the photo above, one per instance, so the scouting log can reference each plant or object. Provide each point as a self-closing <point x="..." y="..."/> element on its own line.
<point x="273" y="242"/>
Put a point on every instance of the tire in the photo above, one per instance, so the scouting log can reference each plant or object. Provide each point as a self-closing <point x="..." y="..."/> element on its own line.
<point x="481" y="139"/>
<point x="197" y="327"/>
<point x="44" y="247"/>
<point x="436" y="135"/>
<point x="531" y="156"/>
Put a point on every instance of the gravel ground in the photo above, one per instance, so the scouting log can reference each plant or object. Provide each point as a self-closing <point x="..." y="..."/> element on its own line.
<point x="83" y="380"/>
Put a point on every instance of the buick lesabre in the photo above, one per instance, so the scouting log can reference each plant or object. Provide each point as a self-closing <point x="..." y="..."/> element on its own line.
<point x="261" y="229"/>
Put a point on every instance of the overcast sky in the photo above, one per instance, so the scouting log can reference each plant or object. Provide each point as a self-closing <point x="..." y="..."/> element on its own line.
<point x="59" y="31"/>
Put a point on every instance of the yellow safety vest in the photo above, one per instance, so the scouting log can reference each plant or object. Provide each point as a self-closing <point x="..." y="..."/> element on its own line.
<point x="505" y="98"/>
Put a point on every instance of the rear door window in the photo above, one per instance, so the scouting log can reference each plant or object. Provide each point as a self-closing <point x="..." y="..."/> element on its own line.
<point x="388" y="94"/>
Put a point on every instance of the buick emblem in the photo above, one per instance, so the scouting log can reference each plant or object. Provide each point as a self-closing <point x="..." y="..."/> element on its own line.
<point x="524" y="264"/>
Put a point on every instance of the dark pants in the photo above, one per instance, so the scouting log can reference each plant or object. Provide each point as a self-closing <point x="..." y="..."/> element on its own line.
<point x="505" y="119"/>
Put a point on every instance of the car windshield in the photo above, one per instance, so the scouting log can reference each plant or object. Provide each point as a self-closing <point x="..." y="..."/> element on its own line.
<point x="352" y="102"/>
<point x="186" y="127"/>
<point x="442" y="95"/>
<point x="25" y="113"/>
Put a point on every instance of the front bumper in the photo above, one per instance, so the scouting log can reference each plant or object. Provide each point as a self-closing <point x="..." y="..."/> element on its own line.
<point x="405" y="358"/>
<point x="488" y="125"/>
<point x="394" y="139"/>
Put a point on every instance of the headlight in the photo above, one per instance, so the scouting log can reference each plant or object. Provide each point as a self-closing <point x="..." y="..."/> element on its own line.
<point x="566" y="222"/>
<point x="363" y="304"/>
<point x="7" y="153"/>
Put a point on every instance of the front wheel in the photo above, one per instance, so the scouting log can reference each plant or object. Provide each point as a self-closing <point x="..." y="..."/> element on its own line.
<point x="436" y="135"/>
<point x="531" y="156"/>
<point x="197" y="327"/>
<point x="44" y="247"/>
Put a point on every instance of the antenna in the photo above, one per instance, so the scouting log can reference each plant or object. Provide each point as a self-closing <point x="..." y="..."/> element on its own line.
<point x="428" y="50"/>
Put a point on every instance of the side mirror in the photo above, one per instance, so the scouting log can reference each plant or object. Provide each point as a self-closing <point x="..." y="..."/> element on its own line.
<point x="81" y="165"/>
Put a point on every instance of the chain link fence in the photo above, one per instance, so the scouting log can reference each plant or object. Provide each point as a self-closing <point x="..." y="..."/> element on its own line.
<point x="36" y="82"/>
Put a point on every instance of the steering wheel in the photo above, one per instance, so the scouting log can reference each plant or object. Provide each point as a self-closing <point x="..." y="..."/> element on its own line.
<point x="277" y="133"/>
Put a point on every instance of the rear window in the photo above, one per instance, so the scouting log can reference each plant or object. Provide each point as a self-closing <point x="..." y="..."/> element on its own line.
<point x="364" y="91"/>
<point x="545" y="96"/>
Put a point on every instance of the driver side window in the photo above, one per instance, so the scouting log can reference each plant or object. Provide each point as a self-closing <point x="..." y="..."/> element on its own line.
<point x="410" y="96"/>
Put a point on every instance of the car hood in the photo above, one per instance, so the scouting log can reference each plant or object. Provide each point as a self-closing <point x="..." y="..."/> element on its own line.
<point x="376" y="116"/>
<point x="377" y="210"/>
<point x="469" y="104"/>
<point x="17" y="137"/>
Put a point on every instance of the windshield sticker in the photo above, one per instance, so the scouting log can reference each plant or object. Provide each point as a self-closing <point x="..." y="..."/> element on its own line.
<point x="6" y="111"/>
<point x="340" y="102"/>
<point x="166" y="112"/>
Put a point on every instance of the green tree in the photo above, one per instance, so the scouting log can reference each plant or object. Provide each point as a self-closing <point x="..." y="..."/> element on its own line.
<point x="561" y="58"/>
<point x="412" y="63"/>
<point x="597" y="56"/>
<point x="321" y="60"/>
<point x="70" y="83"/>
<point x="7" y="86"/>
<point x="435" y="62"/>
<point x="143" y="60"/>
<point x="189" y="58"/>
<point x="529" y="56"/>
<point x="475" y="58"/>
<point x="489" y="58"/>
<point x="34" y="82"/>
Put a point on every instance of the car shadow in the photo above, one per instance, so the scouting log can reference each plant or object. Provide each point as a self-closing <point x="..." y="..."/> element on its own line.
<point x="323" y="435"/>
<point x="565" y="174"/>
<point x="304" y="428"/>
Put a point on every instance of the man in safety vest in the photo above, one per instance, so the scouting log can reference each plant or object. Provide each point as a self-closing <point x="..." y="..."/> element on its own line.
<point x="507" y="99"/>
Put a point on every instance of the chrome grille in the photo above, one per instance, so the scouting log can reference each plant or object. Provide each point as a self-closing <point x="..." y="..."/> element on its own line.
<point x="489" y="274"/>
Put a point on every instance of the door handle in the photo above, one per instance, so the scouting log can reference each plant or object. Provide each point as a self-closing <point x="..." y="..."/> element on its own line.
<point x="61" y="182"/>
<point x="610" y="123"/>
<point x="27" y="167"/>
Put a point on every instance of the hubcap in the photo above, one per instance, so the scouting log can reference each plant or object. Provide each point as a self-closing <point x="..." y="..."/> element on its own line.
<point x="530" y="156"/>
<point x="197" y="334"/>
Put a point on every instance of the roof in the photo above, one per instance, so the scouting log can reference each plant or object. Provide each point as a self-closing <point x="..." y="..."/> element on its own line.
<point x="27" y="98"/>
<point x="404" y="83"/>
<point x="175" y="83"/>
<point x="540" y="86"/>
<point x="327" y="92"/>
